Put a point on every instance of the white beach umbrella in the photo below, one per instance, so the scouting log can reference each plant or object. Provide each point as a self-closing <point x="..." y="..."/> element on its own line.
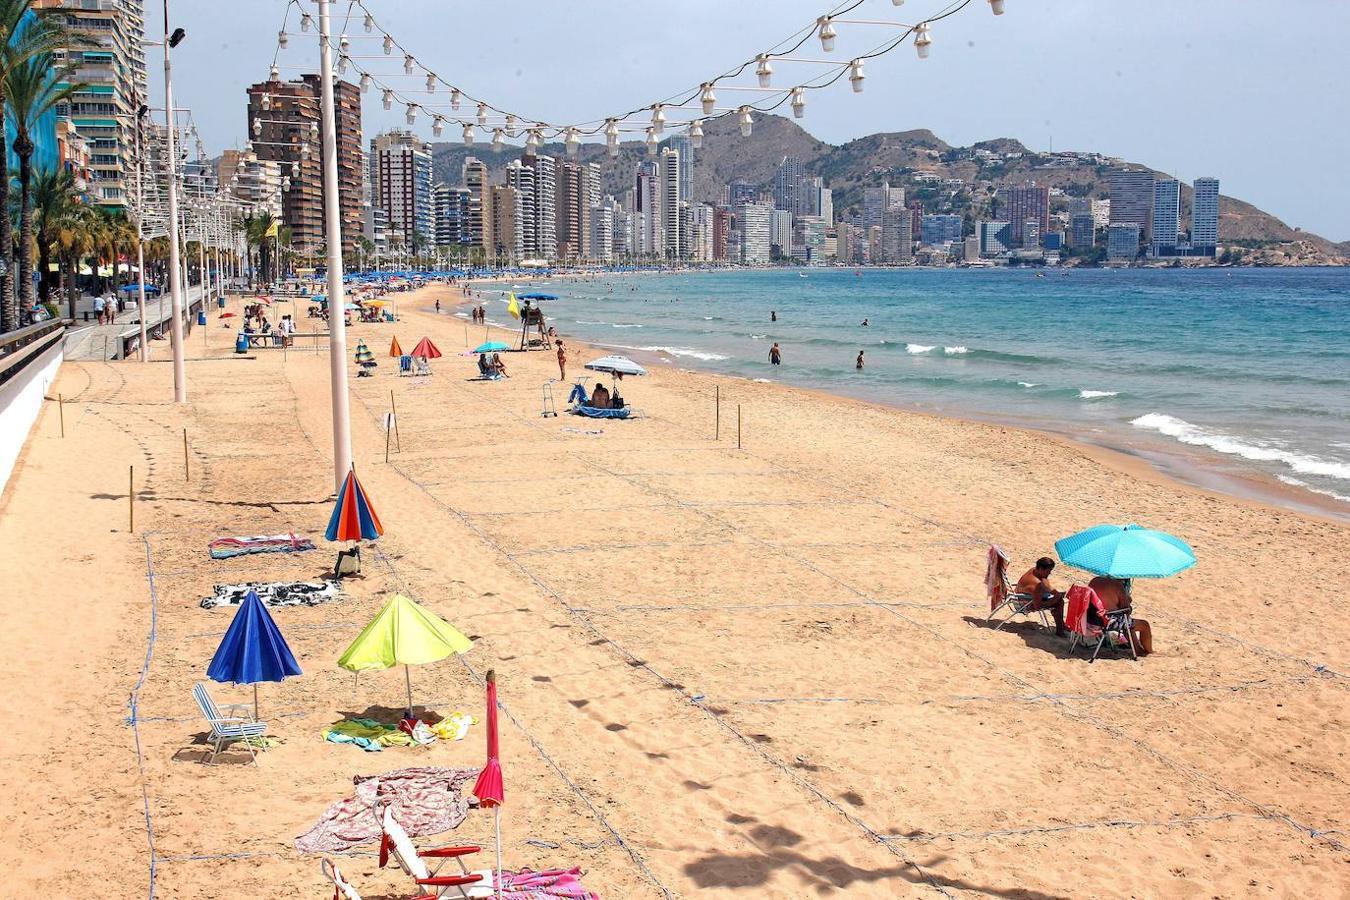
<point x="616" y="365"/>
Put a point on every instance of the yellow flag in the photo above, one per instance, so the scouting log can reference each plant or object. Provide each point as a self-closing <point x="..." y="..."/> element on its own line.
<point x="513" y="307"/>
<point x="271" y="230"/>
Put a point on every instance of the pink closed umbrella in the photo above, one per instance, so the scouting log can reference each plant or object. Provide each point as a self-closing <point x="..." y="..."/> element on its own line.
<point x="488" y="788"/>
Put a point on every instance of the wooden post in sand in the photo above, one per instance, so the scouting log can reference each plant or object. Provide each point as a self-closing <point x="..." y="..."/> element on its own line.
<point x="61" y="407"/>
<point x="717" y="413"/>
<point x="187" y="472"/>
<point x="387" y="432"/>
<point x="393" y="411"/>
<point x="738" y="426"/>
<point x="131" y="499"/>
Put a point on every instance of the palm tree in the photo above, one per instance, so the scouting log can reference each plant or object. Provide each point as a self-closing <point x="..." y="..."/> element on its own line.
<point x="21" y="39"/>
<point x="54" y="197"/>
<point x="33" y="87"/>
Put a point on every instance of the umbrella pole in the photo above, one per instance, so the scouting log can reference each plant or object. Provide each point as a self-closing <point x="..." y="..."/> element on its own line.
<point x="255" y="701"/>
<point x="497" y="822"/>
<point x="407" y="677"/>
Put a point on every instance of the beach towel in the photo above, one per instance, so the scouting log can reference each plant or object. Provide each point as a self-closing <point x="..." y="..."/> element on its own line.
<point x="224" y="548"/>
<point x="274" y="593"/>
<point x="528" y="885"/>
<point x="598" y="413"/>
<point x="1080" y="598"/>
<point x="995" y="576"/>
<point x="373" y="736"/>
<point x="424" y="799"/>
<point x="578" y="395"/>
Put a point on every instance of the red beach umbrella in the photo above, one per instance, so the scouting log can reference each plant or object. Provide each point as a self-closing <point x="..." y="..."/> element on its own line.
<point x="489" y="788"/>
<point x="426" y="349"/>
<point x="353" y="517"/>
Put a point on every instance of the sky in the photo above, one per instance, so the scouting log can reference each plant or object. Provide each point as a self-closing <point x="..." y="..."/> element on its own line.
<point x="1250" y="92"/>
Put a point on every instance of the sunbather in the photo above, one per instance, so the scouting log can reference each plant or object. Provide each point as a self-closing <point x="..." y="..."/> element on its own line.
<point x="600" y="397"/>
<point x="1036" y="582"/>
<point x="484" y="367"/>
<point x="1115" y="594"/>
<point x="498" y="366"/>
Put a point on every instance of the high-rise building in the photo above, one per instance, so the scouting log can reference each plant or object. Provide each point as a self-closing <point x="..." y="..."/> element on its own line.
<point x="401" y="184"/>
<point x="1022" y="203"/>
<point x="254" y="182"/>
<point x="1082" y="230"/>
<point x="111" y="71"/>
<point x="1122" y="240"/>
<point x="721" y="232"/>
<point x="648" y="238"/>
<point x="1031" y="234"/>
<point x="809" y="235"/>
<point x="504" y="213"/>
<point x="682" y="144"/>
<point x="1166" y="216"/>
<point x="825" y="206"/>
<point x="576" y="189"/>
<point x="876" y="200"/>
<point x="451" y="215"/>
<point x="701" y="232"/>
<point x="752" y="226"/>
<point x="672" y="225"/>
<point x="1132" y="199"/>
<point x="542" y="207"/>
<point x="995" y="238"/>
<point x="780" y="233"/>
<point x="1205" y="216"/>
<point x="916" y="219"/>
<point x="788" y="188"/>
<point x="288" y="132"/>
<point x="522" y="179"/>
<point x="741" y="192"/>
<point x="602" y="231"/>
<point x="941" y="228"/>
<point x="478" y="225"/>
<point x="897" y="244"/>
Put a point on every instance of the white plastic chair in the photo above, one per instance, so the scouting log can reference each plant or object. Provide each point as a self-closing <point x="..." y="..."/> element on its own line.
<point x="227" y="730"/>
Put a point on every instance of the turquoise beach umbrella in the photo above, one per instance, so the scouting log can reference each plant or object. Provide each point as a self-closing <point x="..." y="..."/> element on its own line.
<point x="491" y="347"/>
<point x="1126" y="551"/>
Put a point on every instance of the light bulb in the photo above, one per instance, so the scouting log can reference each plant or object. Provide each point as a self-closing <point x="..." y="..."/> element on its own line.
<point x="611" y="132"/>
<point x="856" y="75"/>
<point x="764" y="70"/>
<point x="923" y="39"/>
<point x="798" y="102"/>
<point x="468" y="135"/>
<point x="696" y="134"/>
<point x="408" y="63"/>
<point x="658" y="118"/>
<point x="437" y="126"/>
<point x="274" y="74"/>
<point x="996" y="6"/>
<point x="344" y="42"/>
<point x="614" y="149"/>
<point x="897" y="2"/>
<point x="305" y="22"/>
<point x="342" y="64"/>
<point x="498" y="139"/>
<point x="412" y="114"/>
<point x="314" y="130"/>
<point x="827" y="34"/>
<point x="482" y="113"/>
<point x="282" y="40"/>
<point x="388" y="45"/>
<point x="295" y="170"/>
<point x="266" y="101"/>
<point x="651" y="141"/>
<point x="511" y="125"/>
<point x="709" y="99"/>
<point x="257" y="127"/>
<point x="431" y="83"/>
<point x="365" y="82"/>
<point x="454" y="99"/>
<point x="532" y="142"/>
<point x="747" y="123"/>
<point x="573" y="141"/>
<point x="388" y="99"/>
<point x="369" y="23"/>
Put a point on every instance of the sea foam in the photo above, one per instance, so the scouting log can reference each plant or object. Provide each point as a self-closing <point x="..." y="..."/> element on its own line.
<point x="918" y="348"/>
<point x="1186" y="433"/>
<point x="1095" y="395"/>
<point x="954" y="351"/>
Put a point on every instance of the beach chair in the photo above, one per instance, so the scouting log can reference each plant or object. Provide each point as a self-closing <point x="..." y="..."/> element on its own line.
<point x="1115" y="634"/>
<point x="423" y="367"/>
<point x="227" y="730"/>
<point x="1003" y="600"/>
<point x="342" y="888"/>
<point x="394" y="841"/>
<point x="405" y="365"/>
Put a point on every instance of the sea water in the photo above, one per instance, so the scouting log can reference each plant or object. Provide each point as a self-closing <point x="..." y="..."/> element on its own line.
<point x="1247" y="369"/>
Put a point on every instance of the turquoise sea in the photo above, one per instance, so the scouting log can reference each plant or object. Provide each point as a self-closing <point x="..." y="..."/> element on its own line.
<point x="1216" y="374"/>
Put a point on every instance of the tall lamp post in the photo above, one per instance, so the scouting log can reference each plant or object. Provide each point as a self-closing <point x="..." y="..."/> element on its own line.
<point x="144" y="352"/>
<point x="175" y="285"/>
<point x="337" y="304"/>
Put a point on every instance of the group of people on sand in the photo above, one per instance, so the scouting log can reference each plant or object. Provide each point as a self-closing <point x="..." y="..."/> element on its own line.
<point x="1113" y="592"/>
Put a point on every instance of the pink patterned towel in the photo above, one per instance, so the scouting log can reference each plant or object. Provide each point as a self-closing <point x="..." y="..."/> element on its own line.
<point x="546" y="885"/>
<point x="424" y="799"/>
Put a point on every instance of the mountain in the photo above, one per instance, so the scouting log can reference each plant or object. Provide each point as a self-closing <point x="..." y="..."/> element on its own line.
<point x="916" y="160"/>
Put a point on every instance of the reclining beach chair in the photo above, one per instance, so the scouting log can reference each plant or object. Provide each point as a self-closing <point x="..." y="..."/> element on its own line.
<point x="405" y="365"/>
<point x="394" y="841"/>
<point x="423" y="367"/>
<point x="342" y="888"/>
<point x="1115" y="634"/>
<point x="1002" y="598"/>
<point x="227" y="730"/>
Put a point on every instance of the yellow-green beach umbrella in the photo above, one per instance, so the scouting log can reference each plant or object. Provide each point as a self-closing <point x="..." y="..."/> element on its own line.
<point x="403" y="634"/>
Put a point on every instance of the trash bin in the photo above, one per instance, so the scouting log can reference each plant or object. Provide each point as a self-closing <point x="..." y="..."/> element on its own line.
<point x="201" y="317"/>
<point x="220" y="302"/>
<point x="241" y="343"/>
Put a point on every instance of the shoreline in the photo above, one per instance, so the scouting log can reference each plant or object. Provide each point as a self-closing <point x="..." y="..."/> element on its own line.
<point x="1169" y="465"/>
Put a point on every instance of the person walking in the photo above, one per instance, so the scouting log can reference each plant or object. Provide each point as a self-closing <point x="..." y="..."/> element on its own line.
<point x="775" y="355"/>
<point x="98" y="308"/>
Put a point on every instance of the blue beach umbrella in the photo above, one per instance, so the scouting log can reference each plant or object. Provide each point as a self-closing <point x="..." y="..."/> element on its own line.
<point x="1126" y="551"/>
<point x="252" y="650"/>
<point x="491" y="347"/>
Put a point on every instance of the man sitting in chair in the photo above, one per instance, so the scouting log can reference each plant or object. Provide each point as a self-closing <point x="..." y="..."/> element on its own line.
<point x="1036" y="582"/>
<point x="1115" y="594"/>
<point x="600" y="397"/>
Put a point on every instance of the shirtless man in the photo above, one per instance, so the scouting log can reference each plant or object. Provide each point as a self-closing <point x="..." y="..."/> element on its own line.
<point x="1036" y="582"/>
<point x="1115" y="595"/>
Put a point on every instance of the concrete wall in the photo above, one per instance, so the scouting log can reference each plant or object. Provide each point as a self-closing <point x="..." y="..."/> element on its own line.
<point x="21" y="401"/>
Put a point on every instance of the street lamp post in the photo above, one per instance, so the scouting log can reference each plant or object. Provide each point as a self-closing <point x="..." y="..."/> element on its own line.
<point x="144" y="351"/>
<point x="337" y="326"/>
<point x="175" y="285"/>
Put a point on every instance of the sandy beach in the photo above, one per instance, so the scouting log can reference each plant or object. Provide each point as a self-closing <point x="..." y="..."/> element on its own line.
<point x="754" y="672"/>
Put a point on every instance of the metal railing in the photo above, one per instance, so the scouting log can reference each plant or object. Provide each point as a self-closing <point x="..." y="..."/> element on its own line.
<point x="17" y="348"/>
